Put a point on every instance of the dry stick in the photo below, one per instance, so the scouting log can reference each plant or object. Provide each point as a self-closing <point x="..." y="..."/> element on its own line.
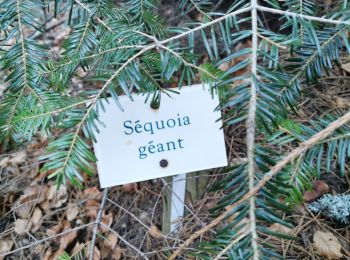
<point x="251" y="124"/>
<point x="303" y="147"/>
<point x="97" y="223"/>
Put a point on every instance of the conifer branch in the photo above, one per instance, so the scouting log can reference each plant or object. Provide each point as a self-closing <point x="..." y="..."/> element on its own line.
<point x="302" y="148"/>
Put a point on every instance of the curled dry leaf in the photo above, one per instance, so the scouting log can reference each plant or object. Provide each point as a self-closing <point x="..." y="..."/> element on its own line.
<point x="22" y="226"/>
<point x="4" y="162"/>
<point x="281" y="229"/>
<point x="57" y="197"/>
<point x="130" y="187"/>
<point x="19" y="157"/>
<point x="107" y="219"/>
<point x="111" y="241"/>
<point x="318" y="189"/>
<point x="346" y="67"/>
<point x="92" y="193"/>
<point x="117" y="253"/>
<point x="69" y="237"/>
<point x="5" y="246"/>
<point x="155" y="232"/>
<point x="327" y="245"/>
<point x="54" y="229"/>
<point x="96" y="254"/>
<point x="35" y="220"/>
<point x="31" y="195"/>
<point x="72" y="212"/>
<point x="91" y="208"/>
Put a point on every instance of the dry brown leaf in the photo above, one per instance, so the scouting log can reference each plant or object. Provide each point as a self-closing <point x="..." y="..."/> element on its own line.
<point x="56" y="196"/>
<point x="96" y="254"/>
<point x="117" y="253"/>
<point x="111" y="241"/>
<point x="91" y="208"/>
<point x="5" y="246"/>
<point x="4" y="162"/>
<point x="31" y="195"/>
<point x="72" y="212"/>
<point x="155" y="232"/>
<point x="35" y="220"/>
<point x="327" y="245"/>
<point x="92" y="193"/>
<point x="54" y="229"/>
<point x="107" y="219"/>
<point x="66" y="239"/>
<point x="77" y="248"/>
<point x="319" y="188"/>
<point x="281" y="229"/>
<point x="19" y="157"/>
<point x="22" y="226"/>
<point x="346" y="67"/>
<point x="130" y="187"/>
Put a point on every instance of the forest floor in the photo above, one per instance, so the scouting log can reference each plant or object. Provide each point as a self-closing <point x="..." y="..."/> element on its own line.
<point x="35" y="216"/>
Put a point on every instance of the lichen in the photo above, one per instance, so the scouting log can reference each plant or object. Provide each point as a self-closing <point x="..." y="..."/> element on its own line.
<point x="335" y="207"/>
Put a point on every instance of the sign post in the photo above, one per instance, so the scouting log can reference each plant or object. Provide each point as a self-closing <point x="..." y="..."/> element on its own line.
<point x="140" y="143"/>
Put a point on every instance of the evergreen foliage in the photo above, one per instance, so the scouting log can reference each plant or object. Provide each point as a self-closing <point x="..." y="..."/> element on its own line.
<point x="126" y="47"/>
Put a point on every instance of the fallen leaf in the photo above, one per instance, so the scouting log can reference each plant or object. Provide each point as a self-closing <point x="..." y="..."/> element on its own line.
<point x="319" y="188"/>
<point x="130" y="187"/>
<point x="107" y="219"/>
<point x="92" y="193"/>
<point x="54" y="229"/>
<point x="155" y="232"/>
<point x="111" y="241"/>
<point x="117" y="253"/>
<point x="5" y="246"/>
<point x="327" y="245"/>
<point x="96" y="254"/>
<point x="72" y="212"/>
<point x="91" y="208"/>
<point x="35" y="220"/>
<point x="346" y="67"/>
<point x="21" y="226"/>
<point x="77" y="248"/>
<point x="276" y="227"/>
<point x="18" y="157"/>
<point x="4" y="162"/>
<point x="66" y="239"/>
<point x="56" y="196"/>
<point x="31" y="195"/>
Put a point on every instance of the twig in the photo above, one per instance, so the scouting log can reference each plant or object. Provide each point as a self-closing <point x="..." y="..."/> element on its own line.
<point x="97" y="223"/>
<point x="251" y="130"/>
<point x="303" y="147"/>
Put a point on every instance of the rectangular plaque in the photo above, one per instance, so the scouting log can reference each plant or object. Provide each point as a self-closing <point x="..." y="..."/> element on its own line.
<point x="141" y="143"/>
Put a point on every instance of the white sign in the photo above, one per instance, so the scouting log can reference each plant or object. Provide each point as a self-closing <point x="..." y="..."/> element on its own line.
<point x="141" y="143"/>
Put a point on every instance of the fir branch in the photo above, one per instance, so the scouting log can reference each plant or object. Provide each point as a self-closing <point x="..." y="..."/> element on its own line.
<point x="302" y="148"/>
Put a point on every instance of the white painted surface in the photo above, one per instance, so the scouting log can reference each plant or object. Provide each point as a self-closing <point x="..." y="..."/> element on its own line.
<point x="117" y="150"/>
<point x="177" y="201"/>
